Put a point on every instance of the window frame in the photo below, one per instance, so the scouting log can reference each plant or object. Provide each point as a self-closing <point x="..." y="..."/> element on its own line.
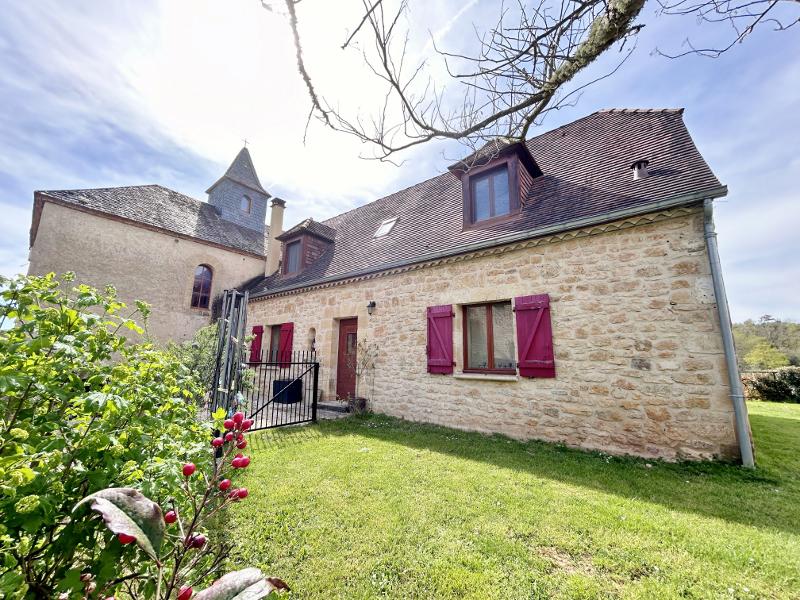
<point x="200" y="294"/>
<point x="468" y="179"/>
<point x="391" y="222"/>
<point x="300" y="259"/>
<point x="273" y="351"/>
<point x="249" y="208"/>
<point x="489" y="339"/>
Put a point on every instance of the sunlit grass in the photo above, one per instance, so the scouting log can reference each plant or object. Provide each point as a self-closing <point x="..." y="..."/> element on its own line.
<point x="376" y="507"/>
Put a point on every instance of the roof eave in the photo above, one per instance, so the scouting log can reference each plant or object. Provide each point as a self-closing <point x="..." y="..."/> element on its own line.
<point x="682" y="200"/>
<point x="243" y="184"/>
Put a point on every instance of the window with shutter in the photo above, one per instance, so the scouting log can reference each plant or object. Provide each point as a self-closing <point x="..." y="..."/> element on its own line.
<point x="440" y="339"/>
<point x="534" y="336"/>
<point x="255" y="345"/>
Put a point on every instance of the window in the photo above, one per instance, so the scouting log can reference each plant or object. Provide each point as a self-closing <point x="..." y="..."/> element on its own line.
<point x="246" y="204"/>
<point x="489" y="338"/>
<point x="489" y="194"/>
<point x="274" y="342"/>
<point x="385" y="227"/>
<point x="293" y="252"/>
<point x="201" y="291"/>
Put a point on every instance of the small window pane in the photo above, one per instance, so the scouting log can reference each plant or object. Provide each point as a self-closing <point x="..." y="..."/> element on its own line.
<point x="502" y="204"/>
<point x="385" y="227"/>
<point x="480" y="199"/>
<point x="275" y="342"/>
<point x="293" y="257"/>
<point x="477" y="354"/>
<point x="201" y="289"/>
<point x="503" y="334"/>
<point x="245" y="204"/>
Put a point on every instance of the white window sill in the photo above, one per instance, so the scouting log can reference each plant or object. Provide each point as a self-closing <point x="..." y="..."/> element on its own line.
<point x="487" y="377"/>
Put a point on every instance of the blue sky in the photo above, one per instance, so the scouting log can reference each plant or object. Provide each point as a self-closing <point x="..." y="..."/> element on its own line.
<point x="112" y="93"/>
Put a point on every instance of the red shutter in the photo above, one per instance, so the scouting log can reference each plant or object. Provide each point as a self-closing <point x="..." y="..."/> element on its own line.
<point x="285" y="344"/>
<point x="534" y="336"/>
<point x="255" y="346"/>
<point x="440" y="339"/>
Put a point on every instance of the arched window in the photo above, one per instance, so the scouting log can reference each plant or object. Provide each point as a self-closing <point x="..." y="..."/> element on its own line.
<point x="201" y="291"/>
<point x="246" y="204"/>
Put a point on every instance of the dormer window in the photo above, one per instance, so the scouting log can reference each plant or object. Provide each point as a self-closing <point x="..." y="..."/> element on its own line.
<point x="294" y="252"/>
<point x="496" y="181"/>
<point x="246" y="204"/>
<point x="385" y="227"/>
<point x="490" y="194"/>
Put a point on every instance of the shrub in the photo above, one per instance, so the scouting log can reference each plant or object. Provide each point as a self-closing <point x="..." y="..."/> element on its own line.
<point x="82" y="409"/>
<point x="199" y="353"/>
<point x="782" y="385"/>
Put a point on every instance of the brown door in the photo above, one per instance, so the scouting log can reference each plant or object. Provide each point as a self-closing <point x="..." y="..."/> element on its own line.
<point x="346" y="369"/>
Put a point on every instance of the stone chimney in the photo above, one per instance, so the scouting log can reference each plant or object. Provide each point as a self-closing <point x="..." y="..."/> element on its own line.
<point x="275" y="229"/>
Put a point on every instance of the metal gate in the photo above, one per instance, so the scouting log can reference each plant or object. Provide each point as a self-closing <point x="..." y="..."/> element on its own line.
<point x="272" y="393"/>
<point x="281" y="392"/>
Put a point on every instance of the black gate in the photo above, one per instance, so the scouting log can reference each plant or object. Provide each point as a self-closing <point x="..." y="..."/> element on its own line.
<point x="271" y="393"/>
<point x="277" y="393"/>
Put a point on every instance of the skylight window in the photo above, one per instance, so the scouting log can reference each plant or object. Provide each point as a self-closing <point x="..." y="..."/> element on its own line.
<point x="386" y="227"/>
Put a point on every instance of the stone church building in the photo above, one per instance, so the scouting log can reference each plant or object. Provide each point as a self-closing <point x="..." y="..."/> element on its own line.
<point x="565" y="289"/>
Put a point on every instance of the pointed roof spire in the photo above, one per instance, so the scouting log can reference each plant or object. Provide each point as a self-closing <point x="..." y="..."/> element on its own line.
<point x="242" y="172"/>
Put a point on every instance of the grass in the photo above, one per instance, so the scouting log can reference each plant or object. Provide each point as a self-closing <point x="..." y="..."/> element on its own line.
<point x="377" y="507"/>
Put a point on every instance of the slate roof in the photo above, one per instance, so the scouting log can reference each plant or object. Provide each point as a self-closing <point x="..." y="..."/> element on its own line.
<point x="242" y="172"/>
<point x="161" y="208"/>
<point x="586" y="179"/>
<point x="310" y="226"/>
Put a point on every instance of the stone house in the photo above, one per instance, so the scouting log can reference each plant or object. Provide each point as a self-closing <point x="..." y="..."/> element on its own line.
<point x="159" y="245"/>
<point x="560" y="289"/>
<point x="565" y="289"/>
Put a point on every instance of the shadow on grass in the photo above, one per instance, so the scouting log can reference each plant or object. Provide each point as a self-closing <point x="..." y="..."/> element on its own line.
<point x="766" y="497"/>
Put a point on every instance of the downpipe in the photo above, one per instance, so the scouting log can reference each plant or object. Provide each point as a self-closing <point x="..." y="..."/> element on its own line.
<point x="735" y="382"/>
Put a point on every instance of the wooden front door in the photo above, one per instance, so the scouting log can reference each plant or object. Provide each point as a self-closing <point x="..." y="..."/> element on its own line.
<point x="346" y="364"/>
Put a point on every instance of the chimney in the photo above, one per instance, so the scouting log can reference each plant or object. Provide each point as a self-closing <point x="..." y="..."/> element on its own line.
<point x="640" y="169"/>
<point x="275" y="229"/>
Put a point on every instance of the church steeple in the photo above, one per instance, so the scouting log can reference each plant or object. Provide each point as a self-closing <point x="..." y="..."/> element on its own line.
<point x="239" y="195"/>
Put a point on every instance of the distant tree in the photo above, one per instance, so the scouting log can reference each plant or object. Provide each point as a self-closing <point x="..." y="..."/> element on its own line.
<point x="766" y="356"/>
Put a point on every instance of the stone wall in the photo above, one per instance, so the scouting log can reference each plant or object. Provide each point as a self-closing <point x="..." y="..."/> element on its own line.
<point x="143" y="264"/>
<point x="639" y="358"/>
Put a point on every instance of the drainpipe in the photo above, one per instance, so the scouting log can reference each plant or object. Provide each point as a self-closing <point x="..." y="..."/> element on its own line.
<point x="735" y="382"/>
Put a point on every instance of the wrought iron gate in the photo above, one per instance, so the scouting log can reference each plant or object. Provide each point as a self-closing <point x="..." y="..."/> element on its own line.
<point x="273" y="393"/>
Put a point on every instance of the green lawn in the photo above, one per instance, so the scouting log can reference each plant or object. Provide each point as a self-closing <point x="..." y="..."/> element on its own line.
<point x="376" y="507"/>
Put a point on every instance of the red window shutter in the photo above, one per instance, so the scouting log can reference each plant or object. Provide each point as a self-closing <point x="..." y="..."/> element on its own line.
<point x="440" y="339"/>
<point x="255" y="346"/>
<point x="285" y="343"/>
<point x="534" y="336"/>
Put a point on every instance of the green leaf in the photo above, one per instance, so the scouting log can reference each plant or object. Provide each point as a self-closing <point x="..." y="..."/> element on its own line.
<point x="126" y="510"/>
<point x="219" y="414"/>
<point x="247" y="584"/>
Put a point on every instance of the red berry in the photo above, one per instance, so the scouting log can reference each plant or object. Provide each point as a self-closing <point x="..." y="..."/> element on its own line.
<point x="224" y="484"/>
<point x="241" y="444"/>
<point x="188" y="469"/>
<point x="239" y="455"/>
<point x="228" y="424"/>
<point x="199" y="541"/>
<point x="244" y="462"/>
<point x="124" y="538"/>
<point x="238" y="418"/>
<point x="236" y="462"/>
<point x="242" y="493"/>
<point x="234" y="495"/>
<point x="217" y="442"/>
<point x="170" y="517"/>
<point x="247" y="424"/>
<point x="228" y="436"/>
<point x="185" y="592"/>
<point x="239" y="436"/>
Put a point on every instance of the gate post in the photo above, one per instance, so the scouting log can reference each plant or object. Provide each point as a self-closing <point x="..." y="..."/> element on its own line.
<point x="316" y="393"/>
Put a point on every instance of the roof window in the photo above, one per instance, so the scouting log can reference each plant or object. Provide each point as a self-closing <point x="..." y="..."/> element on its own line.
<point x="385" y="227"/>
